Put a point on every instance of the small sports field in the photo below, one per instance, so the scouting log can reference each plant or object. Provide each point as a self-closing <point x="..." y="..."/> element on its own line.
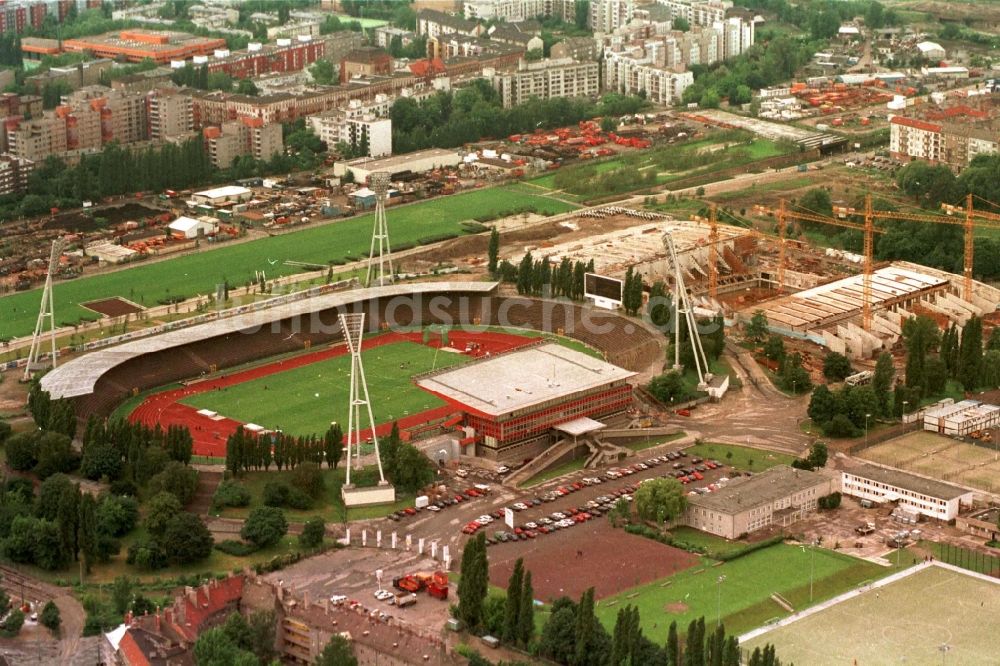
<point x="905" y="622"/>
<point x="941" y="457"/>
<point x="744" y="596"/>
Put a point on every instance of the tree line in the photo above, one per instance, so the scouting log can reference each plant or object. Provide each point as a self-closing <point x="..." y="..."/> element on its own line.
<point x="572" y="634"/>
<point x="474" y="112"/>
<point x="537" y="277"/>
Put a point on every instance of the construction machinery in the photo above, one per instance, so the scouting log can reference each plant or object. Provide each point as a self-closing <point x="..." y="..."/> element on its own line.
<point x="435" y="583"/>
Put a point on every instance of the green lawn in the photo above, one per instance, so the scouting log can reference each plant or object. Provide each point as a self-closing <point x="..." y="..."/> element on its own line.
<point x="557" y="471"/>
<point x="743" y="458"/>
<point x="330" y="506"/>
<point x="198" y="273"/>
<point x="643" y="444"/>
<point x="744" y="595"/>
<point x="304" y="400"/>
<point x="713" y="545"/>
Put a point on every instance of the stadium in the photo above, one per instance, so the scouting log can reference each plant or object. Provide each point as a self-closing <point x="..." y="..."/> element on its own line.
<point x="183" y="374"/>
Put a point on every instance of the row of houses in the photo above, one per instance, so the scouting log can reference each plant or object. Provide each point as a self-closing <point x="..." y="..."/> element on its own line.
<point x="952" y="136"/>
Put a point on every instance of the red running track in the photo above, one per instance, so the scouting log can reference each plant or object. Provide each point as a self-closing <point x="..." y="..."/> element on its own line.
<point x="210" y="434"/>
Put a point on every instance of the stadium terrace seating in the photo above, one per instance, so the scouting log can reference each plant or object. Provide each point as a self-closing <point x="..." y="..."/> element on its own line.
<point x="624" y="342"/>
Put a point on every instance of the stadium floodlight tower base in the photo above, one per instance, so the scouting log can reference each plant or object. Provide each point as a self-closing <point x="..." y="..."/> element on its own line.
<point x="353" y="326"/>
<point x="380" y="257"/>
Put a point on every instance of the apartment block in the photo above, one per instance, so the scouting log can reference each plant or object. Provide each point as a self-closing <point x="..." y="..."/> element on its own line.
<point x="609" y="15"/>
<point x="170" y="114"/>
<point x="633" y="71"/>
<point x="546" y="79"/>
<point x="247" y="136"/>
<point x="514" y="11"/>
<point x="38" y="138"/>
<point x="953" y="135"/>
<point x="14" y="172"/>
<point x="355" y="129"/>
<point x="577" y="48"/>
<point x="698" y="12"/>
<point x="433" y="23"/>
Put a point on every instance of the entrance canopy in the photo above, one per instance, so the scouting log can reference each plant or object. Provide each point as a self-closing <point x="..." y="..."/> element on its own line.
<point x="580" y="426"/>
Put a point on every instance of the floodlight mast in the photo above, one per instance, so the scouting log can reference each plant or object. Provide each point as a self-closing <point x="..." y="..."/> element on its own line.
<point x="683" y="307"/>
<point x="353" y="326"/>
<point x="380" y="257"/>
<point x="46" y="314"/>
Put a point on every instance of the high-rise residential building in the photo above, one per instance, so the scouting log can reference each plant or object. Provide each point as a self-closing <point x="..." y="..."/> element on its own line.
<point x="14" y="172"/>
<point x="545" y="79"/>
<point x="514" y="11"/>
<point x="633" y="71"/>
<point x="170" y="113"/>
<point x="698" y="12"/>
<point x="609" y="15"/>
<point x="246" y="136"/>
<point x="37" y="138"/>
<point x="355" y="128"/>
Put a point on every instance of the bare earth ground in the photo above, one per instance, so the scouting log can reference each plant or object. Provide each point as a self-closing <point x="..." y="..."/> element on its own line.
<point x="113" y="307"/>
<point x="558" y="568"/>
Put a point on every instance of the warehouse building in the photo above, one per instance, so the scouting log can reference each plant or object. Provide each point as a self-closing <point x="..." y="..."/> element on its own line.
<point x="514" y="405"/>
<point x="928" y="497"/>
<point x="779" y="496"/>
<point x="222" y="196"/>
<point x="420" y="161"/>
<point x="958" y="419"/>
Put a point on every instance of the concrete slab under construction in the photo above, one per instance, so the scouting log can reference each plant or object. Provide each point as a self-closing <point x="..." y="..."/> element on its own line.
<point x="837" y="302"/>
<point x="641" y="247"/>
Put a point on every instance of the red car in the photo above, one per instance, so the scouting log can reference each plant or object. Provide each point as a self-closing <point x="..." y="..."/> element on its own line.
<point x="698" y="476"/>
<point x="409" y="511"/>
<point x="685" y="480"/>
<point x="683" y="412"/>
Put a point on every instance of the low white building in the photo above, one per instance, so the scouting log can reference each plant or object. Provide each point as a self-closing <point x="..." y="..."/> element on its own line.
<point x="420" y="161"/>
<point x="189" y="227"/>
<point x="931" y="50"/>
<point x="934" y="499"/>
<point x="222" y="196"/>
<point x="961" y="418"/>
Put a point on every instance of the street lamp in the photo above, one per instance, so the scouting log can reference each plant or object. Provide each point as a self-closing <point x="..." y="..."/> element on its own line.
<point x="867" y="416"/>
<point x="944" y="648"/>
<point x="906" y="403"/>
<point x="718" y="607"/>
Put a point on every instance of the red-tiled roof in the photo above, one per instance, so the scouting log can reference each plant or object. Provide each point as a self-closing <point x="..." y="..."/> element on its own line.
<point x="915" y="124"/>
<point x="427" y="67"/>
<point x="131" y="652"/>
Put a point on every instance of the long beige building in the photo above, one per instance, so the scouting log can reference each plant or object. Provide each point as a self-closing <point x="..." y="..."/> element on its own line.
<point x="546" y="79"/>
<point x="779" y="496"/>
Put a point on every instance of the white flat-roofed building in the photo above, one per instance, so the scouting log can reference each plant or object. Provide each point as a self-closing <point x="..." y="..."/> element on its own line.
<point x="223" y="196"/>
<point x="512" y="403"/>
<point x="931" y="498"/>
<point x="417" y="162"/>
<point x="961" y="418"/>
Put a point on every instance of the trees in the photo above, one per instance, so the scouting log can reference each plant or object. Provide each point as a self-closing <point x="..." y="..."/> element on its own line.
<point x="312" y="533"/>
<point x="159" y="510"/>
<point x="920" y="334"/>
<point x="50" y="617"/>
<point x="177" y="479"/>
<point x="526" y="616"/>
<point x="680" y="23"/>
<point x="823" y="405"/>
<point x="929" y="184"/>
<point x="474" y="582"/>
<point x="756" y="329"/>
<point x="121" y="593"/>
<point x="333" y="445"/>
<point x="660" y="500"/>
<point x="55" y="454"/>
<point x="512" y="606"/>
<point x="411" y="470"/>
<point x="836" y="367"/>
<point x="21" y="451"/>
<point x="816" y="458"/>
<point x="187" y="539"/>
<point x="338" y="652"/>
<point x="215" y="648"/>
<point x="774" y="348"/>
<point x="817" y="200"/>
<point x="493" y="251"/>
<point x="11" y="625"/>
<point x="230" y="493"/>
<point x="882" y="381"/>
<point x="669" y="388"/>
<point x="265" y="526"/>
<point x="793" y="376"/>
<point x="970" y="360"/>
<point x="308" y="478"/>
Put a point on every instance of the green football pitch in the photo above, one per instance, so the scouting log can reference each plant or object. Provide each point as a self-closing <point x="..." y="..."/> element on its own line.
<point x="304" y="401"/>
<point x="909" y="621"/>
<point x="743" y="598"/>
<point x="193" y="274"/>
